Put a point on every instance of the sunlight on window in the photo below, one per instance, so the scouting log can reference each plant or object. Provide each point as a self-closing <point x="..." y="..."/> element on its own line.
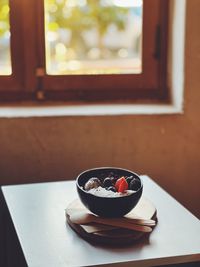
<point x="5" y="57"/>
<point x="93" y="36"/>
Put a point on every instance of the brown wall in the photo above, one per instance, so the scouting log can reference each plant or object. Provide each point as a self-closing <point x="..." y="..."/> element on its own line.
<point x="166" y="147"/>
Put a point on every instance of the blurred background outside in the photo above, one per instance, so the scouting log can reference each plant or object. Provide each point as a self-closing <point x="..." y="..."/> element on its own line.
<point x="85" y="37"/>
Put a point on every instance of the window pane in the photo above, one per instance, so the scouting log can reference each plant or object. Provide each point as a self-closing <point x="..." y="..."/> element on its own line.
<point x="5" y="57"/>
<point x="93" y="36"/>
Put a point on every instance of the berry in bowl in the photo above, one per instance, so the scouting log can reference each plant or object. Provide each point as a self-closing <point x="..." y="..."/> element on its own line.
<point x="109" y="191"/>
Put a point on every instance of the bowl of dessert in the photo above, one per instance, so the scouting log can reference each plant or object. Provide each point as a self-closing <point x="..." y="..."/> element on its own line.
<point x="109" y="191"/>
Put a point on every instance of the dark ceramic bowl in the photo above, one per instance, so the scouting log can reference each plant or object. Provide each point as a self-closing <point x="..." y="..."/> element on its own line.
<point x="107" y="206"/>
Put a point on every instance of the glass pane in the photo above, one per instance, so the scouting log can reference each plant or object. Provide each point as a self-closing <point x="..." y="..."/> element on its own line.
<point x="5" y="57"/>
<point x="93" y="36"/>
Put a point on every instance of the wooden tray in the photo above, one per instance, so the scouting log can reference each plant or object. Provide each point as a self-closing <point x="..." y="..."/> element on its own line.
<point x="108" y="234"/>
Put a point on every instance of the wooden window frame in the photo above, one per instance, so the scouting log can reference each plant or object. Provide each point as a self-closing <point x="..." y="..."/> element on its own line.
<point x="29" y="80"/>
<point x="14" y="82"/>
<point x="22" y="83"/>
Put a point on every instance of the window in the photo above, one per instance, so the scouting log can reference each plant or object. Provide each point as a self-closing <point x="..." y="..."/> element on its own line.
<point x="83" y="50"/>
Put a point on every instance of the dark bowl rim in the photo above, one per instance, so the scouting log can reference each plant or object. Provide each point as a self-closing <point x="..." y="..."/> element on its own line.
<point x="103" y="168"/>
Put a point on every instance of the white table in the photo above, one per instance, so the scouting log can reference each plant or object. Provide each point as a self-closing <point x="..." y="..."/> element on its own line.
<point x="37" y="234"/>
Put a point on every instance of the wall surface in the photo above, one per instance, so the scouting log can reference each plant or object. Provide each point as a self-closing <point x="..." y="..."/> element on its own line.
<point x="166" y="147"/>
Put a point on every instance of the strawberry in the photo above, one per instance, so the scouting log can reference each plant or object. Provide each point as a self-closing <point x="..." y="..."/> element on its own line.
<point x="121" y="184"/>
<point x="118" y="182"/>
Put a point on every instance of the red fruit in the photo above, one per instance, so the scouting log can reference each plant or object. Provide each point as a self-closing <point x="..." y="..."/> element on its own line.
<point x="121" y="184"/>
<point x="118" y="183"/>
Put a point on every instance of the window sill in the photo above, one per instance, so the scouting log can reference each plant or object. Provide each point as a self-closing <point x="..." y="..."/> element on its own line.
<point x="87" y="110"/>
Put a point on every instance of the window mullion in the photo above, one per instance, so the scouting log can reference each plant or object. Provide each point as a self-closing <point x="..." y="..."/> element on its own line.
<point x="40" y="70"/>
<point x="30" y="44"/>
